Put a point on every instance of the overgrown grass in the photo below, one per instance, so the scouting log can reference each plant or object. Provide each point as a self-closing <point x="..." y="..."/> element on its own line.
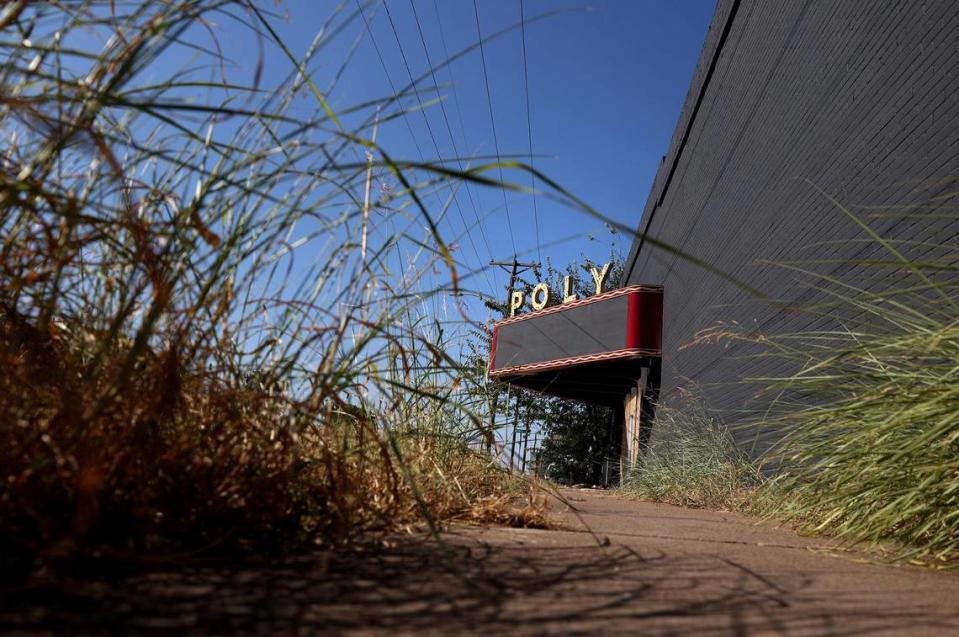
<point x="214" y="334"/>
<point x="869" y="421"/>
<point x="692" y="462"/>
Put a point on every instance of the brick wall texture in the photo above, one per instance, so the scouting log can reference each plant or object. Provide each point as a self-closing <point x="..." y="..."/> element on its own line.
<point x="854" y="99"/>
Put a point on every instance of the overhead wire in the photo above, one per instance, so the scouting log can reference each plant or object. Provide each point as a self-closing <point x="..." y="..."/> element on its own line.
<point x="386" y="72"/>
<point x="449" y="129"/>
<point x="492" y="120"/>
<point x="456" y="98"/>
<point x="449" y="71"/>
<point x="429" y="129"/>
<point x="396" y="97"/>
<point x="404" y="114"/>
<point x="453" y="84"/>
<point x="529" y="127"/>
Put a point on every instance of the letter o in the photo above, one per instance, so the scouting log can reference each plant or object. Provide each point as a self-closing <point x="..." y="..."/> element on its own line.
<point x="540" y="296"/>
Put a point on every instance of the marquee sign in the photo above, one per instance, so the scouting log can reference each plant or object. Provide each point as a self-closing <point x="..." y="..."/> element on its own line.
<point x="618" y="325"/>
<point x="541" y="294"/>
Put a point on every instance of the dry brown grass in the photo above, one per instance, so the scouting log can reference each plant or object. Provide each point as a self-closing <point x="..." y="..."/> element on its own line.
<point x="197" y="356"/>
<point x="527" y="510"/>
<point x="167" y="463"/>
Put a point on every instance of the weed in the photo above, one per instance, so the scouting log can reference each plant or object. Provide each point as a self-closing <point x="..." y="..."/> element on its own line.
<point x="692" y="461"/>
<point x="211" y="338"/>
<point x="868" y="422"/>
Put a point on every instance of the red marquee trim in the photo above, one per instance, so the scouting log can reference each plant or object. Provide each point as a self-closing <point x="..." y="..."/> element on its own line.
<point x="633" y="310"/>
<point x="644" y="320"/>
<point x="560" y="363"/>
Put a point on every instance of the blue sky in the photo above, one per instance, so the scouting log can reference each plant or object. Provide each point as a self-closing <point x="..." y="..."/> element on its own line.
<point x="606" y="84"/>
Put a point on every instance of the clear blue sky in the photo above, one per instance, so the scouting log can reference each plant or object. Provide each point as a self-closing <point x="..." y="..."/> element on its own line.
<point x="606" y="84"/>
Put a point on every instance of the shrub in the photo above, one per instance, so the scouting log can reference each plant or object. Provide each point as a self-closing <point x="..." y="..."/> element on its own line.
<point x="692" y="462"/>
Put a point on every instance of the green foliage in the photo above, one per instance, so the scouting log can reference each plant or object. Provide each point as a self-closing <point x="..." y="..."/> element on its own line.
<point x="580" y="445"/>
<point x="693" y="461"/>
<point x="870" y="419"/>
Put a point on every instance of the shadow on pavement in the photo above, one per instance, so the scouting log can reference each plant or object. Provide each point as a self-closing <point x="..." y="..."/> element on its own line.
<point x="499" y="580"/>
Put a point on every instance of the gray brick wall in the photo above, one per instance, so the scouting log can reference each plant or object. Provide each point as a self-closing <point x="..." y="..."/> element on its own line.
<point x="858" y="98"/>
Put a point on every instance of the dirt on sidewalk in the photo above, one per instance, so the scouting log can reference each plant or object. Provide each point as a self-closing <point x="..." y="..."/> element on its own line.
<point x="639" y="568"/>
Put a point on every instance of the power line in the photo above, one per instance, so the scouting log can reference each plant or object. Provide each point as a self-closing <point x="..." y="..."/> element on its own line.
<point x="492" y="121"/>
<point x="409" y="72"/>
<point x="529" y="126"/>
<point x="403" y="112"/>
<point x="409" y="127"/>
<point x="449" y="128"/>
<point x="429" y="128"/>
<point x="449" y="71"/>
<point x="386" y="72"/>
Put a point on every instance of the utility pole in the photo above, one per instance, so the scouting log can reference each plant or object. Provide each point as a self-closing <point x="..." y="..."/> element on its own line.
<point x="515" y="268"/>
<point x="525" y="444"/>
<point x="512" y="449"/>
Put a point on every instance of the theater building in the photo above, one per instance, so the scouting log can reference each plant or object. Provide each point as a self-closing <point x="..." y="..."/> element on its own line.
<point x="789" y="102"/>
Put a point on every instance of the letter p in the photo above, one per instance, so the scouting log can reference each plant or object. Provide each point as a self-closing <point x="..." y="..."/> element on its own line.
<point x="515" y="302"/>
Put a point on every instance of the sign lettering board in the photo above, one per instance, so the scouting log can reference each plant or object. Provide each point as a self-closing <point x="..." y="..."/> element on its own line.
<point x="621" y="324"/>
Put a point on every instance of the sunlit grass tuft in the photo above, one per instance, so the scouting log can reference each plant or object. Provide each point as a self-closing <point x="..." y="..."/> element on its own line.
<point x="692" y="462"/>
<point x="869" y="419"/>
<point x="211" y="338"/>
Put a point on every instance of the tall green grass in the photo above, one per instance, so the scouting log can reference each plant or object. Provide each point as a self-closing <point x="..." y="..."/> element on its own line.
<point x="212" y="335"/>
<point x="868" y="421"/>
<point x="864" y="428"/>
<point x="693" y="462"/>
